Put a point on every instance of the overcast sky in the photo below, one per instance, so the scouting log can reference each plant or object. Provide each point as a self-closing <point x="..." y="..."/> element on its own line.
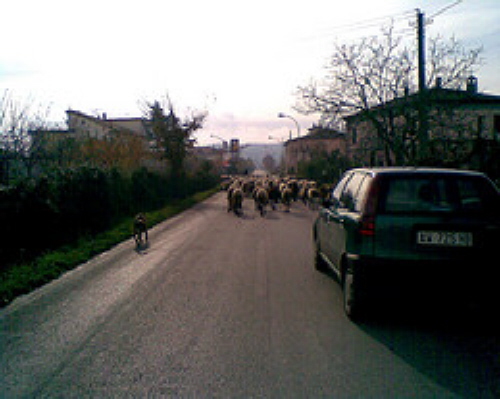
<point x="239" y="60"/>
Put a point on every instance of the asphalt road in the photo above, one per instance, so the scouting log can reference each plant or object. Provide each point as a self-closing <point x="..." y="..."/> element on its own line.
<point x="221" y="306"/>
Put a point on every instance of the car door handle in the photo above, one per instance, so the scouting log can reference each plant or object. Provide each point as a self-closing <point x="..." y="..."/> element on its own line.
<point x="329" y="217"/>
<point x="339" y="220"/>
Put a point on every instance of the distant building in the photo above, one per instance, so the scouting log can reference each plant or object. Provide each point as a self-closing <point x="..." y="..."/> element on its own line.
<point x="318" y="141"/>
<point x="96" y="141"/>
<point x="85" y="126"/>
<point x="112" y="142"/>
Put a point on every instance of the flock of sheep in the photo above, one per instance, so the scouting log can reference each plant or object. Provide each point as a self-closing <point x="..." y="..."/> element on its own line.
<point x="272" y="191"/>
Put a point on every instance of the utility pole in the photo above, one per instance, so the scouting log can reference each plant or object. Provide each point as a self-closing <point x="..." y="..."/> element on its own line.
<point x="423" y="125"/>
<point x="421" y="50"/>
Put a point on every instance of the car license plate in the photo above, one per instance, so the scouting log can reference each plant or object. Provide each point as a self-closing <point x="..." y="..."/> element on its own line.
<point x="445" y="238"/>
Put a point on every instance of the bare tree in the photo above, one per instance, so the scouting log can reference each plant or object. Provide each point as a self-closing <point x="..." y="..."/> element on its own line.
<point x="17" y="119"/>
<point x="451" y="62"/>
<point x="364" y="76"/>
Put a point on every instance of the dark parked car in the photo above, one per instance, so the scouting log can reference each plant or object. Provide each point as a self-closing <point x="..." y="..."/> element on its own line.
<point x="418" y="231"/>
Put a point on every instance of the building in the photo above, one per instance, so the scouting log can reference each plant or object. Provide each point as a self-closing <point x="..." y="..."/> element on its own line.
<point x="97" y="141"/>
<point x="318" y="141"/>
<point x="100" y="127"/>
<point x="82" y="126"/>
<point x="441" y="127"/>
<point x="124" y="143"/>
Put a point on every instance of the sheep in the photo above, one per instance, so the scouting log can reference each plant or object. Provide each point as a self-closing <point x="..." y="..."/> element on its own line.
<point x="325" y="191"/>
<point x="140" y="227"/>
<point x="302" y="195"/>
<point x="261" y="199"/>
<point x="235" y="199"/>
<point x="286" y="197"/>
<point x="294" y="186"/>
<point x="228" y="195"/>
<point x="224" y="186"/>
<point x="248" y="187"/>
<point x="273" y="193"/>
<point x="272" y="190"/>
<point x="313" y="198"/>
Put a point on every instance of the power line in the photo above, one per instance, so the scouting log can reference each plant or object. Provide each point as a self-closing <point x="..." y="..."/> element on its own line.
<point x="444" y="9"/>
<point x="375" y="22"/>
<point x="363" y="24"/>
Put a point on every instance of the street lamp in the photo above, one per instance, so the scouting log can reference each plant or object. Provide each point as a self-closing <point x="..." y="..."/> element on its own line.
<point x="217" y="137"/>
<point x="282" y="115"/>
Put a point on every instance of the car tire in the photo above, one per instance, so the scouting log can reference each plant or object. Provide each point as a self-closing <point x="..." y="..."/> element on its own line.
<point x="350" y="296"/>
<point x="319" y="263"/>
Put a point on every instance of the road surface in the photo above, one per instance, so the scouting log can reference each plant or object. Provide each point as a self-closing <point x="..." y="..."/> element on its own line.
<point x="221" y="306"/>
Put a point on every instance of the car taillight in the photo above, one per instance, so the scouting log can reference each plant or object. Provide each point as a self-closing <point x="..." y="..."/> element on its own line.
<point x="367" y="226"/>
<point x="367" y="223"/>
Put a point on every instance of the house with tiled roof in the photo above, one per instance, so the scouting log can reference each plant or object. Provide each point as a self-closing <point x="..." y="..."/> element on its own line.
<point x="95" y="141"/>
<point x="462" y="129"/>
<point x="99" y="127"/>
<point x="319" y="141"/>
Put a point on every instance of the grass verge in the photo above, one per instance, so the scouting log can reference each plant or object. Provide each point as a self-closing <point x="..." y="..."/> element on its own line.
<point x="24" y="278"/>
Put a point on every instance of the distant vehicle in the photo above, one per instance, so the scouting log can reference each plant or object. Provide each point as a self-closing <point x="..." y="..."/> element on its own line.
<point x="415" y="230"/>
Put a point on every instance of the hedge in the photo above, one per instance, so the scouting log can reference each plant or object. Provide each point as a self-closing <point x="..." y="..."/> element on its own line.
<point x="43" y="214"/>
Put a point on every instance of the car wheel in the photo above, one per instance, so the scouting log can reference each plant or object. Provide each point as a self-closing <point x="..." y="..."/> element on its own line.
<point x="319" y="263"/>
<point x="351" y="298"/>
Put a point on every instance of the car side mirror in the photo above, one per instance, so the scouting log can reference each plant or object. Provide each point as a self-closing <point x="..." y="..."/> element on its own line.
<point x="327" y="203"/>
<point x="332" y="203"/>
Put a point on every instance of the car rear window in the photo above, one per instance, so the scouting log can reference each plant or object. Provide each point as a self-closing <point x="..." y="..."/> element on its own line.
<point x="430" y="194"/>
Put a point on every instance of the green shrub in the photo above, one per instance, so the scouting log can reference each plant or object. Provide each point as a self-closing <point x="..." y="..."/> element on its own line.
<point x="44" y="214"/>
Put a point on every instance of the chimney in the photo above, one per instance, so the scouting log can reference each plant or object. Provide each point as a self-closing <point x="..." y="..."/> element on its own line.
<point x="472" y="85"/>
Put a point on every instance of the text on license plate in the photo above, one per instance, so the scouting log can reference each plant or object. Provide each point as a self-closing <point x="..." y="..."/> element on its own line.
<point x="445" y="238"/>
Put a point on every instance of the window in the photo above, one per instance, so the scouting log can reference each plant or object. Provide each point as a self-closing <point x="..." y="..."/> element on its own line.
<point x="496" y="126"/>
<point x="337" y="192"/>
<point x="349" y="196"/>
<point x="362" y="192"/>
<point x="438" y="194"/>
<point x="416" y="195"/>
<point x="480" y="126"/>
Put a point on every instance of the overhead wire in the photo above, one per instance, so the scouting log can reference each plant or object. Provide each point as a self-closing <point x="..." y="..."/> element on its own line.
<point x="363" y="25"/>
<point x="444" y="9"/>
